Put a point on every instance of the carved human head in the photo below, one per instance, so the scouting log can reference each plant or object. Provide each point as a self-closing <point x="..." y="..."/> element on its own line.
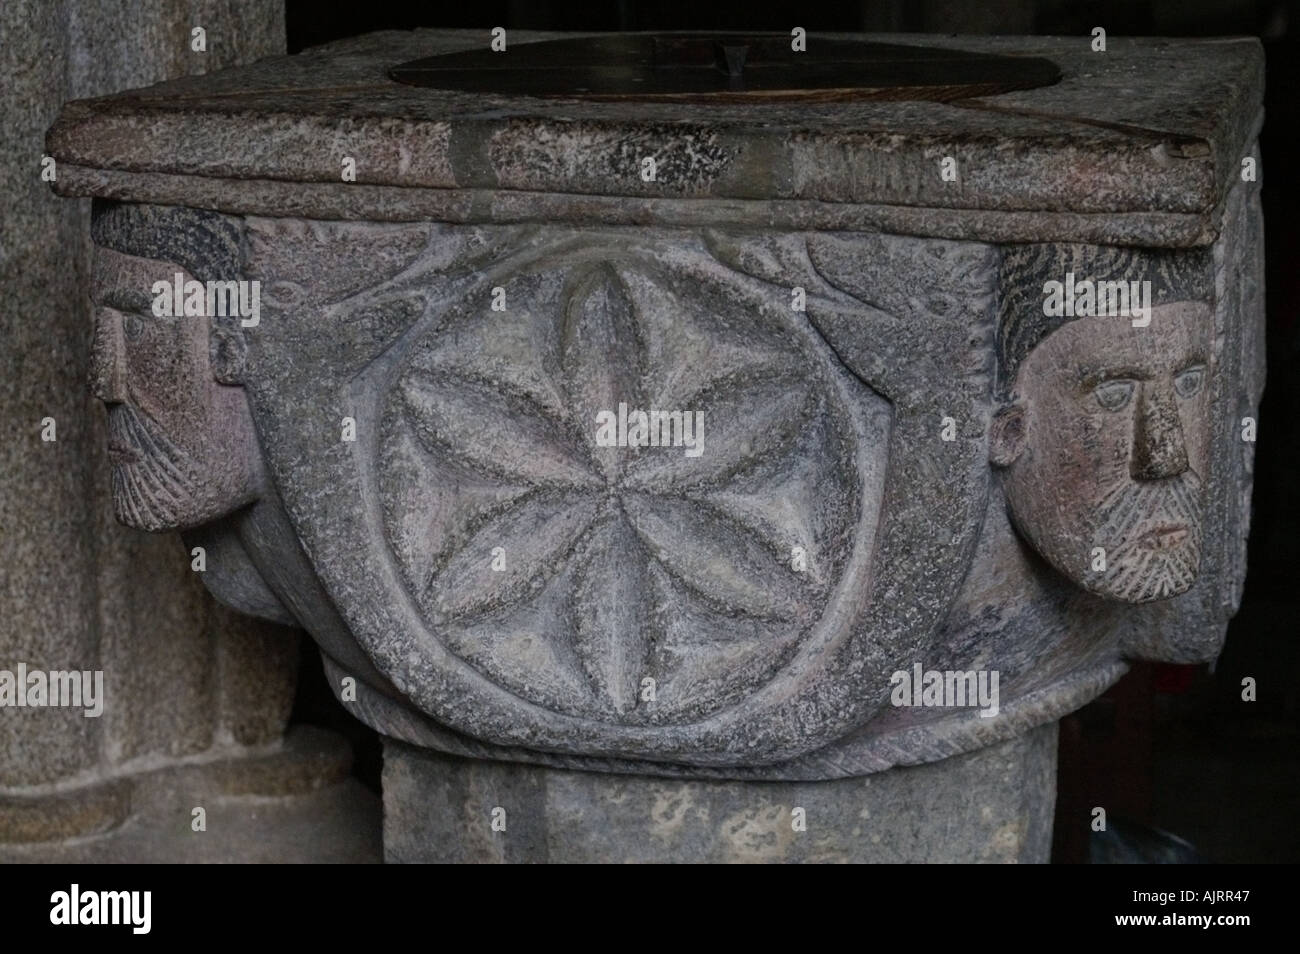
<point x="181" y="439"/>
<point x="1103" y="434"/>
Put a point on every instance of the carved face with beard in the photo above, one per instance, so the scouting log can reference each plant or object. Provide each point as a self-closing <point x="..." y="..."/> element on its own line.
<point x="180" y="440"/>
<point x="1105" y="448"/>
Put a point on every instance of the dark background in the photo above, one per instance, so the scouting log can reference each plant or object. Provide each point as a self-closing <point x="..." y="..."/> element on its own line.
<point x="1170" y="749"/>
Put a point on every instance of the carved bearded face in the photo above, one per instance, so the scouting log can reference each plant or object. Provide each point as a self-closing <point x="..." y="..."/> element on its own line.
<point x="180" y="442"/>
<point x="1105" y="451"/>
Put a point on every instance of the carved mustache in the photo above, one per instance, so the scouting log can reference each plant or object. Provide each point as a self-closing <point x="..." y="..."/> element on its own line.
<point x="151" y="486"/>
<point x="1135" y="519"/>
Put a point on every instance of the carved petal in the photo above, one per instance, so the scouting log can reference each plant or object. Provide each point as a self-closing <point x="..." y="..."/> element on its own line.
<point x="716" y="557"/>
<point x="600" y="355"/>
<point x="612" y="633"/>
<point x="503" y="435"/>
<point x="511" y="554"/>
<point x="745" y="420"/>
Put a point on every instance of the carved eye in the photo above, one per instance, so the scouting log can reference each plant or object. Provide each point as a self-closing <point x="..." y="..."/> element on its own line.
<point x="132" y="327"/>
<point x="1188" y="381"/>
<point x="1114" y="395"/>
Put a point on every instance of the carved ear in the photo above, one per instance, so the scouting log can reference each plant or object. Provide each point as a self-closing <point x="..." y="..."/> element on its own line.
<point x="227" y="351"/>
<point x="1007" y="435"/>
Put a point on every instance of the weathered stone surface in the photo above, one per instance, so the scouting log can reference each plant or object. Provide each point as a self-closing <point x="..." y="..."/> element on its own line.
<point x="995" y="806"/>
<point x="183" y="676"/>
<point x="902" y="460"/>
<point x="1155" y="164"/>
<point x="336" y="824"/>
<point x="393" y="203"/>
<point x="53" y="816"/>
<point x="478" y="436"/>
<point x="289" y="802"/>
<point x="506" y="414"/>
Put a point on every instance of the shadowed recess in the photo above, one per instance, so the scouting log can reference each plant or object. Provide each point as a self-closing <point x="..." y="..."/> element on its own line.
<point x="721" y="67"/>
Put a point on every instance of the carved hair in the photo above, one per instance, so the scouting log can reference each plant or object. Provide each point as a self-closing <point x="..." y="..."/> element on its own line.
<point x="206" y="244"/>
<point x="1174" y="276"/>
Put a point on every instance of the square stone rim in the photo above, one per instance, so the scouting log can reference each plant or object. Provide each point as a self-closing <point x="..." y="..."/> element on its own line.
<point x="1079" y="160"/>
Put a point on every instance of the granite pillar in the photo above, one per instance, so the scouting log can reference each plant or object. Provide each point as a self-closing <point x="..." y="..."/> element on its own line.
<point x="185" y="680"/>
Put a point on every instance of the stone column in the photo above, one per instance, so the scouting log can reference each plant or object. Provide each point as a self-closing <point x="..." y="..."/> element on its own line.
<point x="992" y="805"/>
<point x="186" y="681"/>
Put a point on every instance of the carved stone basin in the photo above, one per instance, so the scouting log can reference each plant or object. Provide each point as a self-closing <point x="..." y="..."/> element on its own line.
<point x="686" y="442"/>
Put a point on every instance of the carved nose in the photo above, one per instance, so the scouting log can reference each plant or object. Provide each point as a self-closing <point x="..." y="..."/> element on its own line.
<point x="1158" y="447"/>
<point x="107" y="359"/>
